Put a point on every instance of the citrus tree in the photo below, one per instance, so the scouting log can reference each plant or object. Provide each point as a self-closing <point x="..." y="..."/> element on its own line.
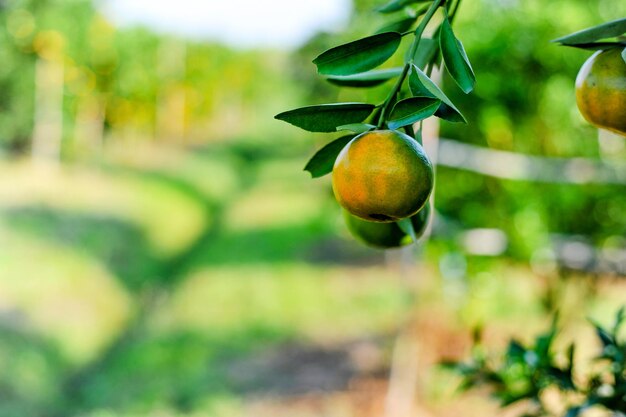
<point x="381" y="173"/>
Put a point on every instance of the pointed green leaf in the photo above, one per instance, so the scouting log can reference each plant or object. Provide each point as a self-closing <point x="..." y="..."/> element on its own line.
<point x="509" y="398"/>
<point x="399" y="26"/>
<point x="605" y="337"/>
<point x="596" y="46"/>
<point x="323" y="161"/>
<point x="621" y="313"/>
<point x="357" y="127"/>
<point x="454" y="56"/>
<point x="358" y="56"/>
<point x="560" y="377"/>
<point x="412" y="110"/>
<point x="592" y="34"/>
<point x="543" y="343"/>
<point x="421" y="85"/>
<point x="425" y="52"/>
<point x="515" y="350"/>
<point x="326" y="117"/>
<point x="407" y="227"/>
<point x="397" y="5"/>
<point x="570" y="360"/>
<point x="449" y="113"/>
<point x="574" y="411"/>
<point x="578" y="410"/>
<point x="365" y="79"/>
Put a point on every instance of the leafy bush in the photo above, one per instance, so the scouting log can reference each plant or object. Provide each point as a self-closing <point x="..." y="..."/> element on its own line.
<point x="526" y="372"/>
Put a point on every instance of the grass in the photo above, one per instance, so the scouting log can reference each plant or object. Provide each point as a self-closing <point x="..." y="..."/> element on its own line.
<point x="143" y="287"/>
<point x="139" y="279"/>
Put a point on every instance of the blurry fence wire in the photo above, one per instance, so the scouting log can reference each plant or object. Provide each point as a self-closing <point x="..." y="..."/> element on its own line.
<point x="516" y="166"/>
<point x="570" y="251"/>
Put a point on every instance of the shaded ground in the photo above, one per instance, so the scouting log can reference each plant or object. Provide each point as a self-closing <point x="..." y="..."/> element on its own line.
<point x="299" y="369"/>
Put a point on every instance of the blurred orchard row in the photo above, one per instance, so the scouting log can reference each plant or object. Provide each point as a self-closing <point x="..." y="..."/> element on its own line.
<point x="71" y="80"/>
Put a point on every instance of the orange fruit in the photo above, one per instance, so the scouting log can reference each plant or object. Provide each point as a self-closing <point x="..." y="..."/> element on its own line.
<point x="386" y="235"/>
<point x="382" y="176"/>
<point x="601" y="90"/>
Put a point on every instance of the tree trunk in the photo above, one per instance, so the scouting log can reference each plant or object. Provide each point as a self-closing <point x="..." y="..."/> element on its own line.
<point x="171" y="100"/>
<point x="48" y="126"/>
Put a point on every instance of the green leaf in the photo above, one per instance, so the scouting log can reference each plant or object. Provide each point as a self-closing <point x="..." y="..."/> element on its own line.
<point x="407" y="227"/>
<point x="516" y="350"/>
<point x="396" y="5"/>
<point x="561" y="377"/>
<point x="595" y="33"/>
<point x="597" y="46"/>
<point x="605" y="337"/>
<point x="323" y="161"/>
<point x="449" y="113"/>
<point x="451" y="365"/>
<point x="326" y="117"/>
<point x="570" y="357"/>
<point x="399" y="26"/>
<point x="621" y="313"/>
<point x="509" y="398"/>
<point x="575" y="411"/>
<point x="365" y="79"/>
<point x="358" y="56"/>
<point x="426" y="51"/>
<point x="543" y="342"/>
<point x="412" y="110"/>
<point x="421" y="85"/>
<point x="357" y="127"/>
<point x="578" y="410"/>
<point x="454" y="56"/>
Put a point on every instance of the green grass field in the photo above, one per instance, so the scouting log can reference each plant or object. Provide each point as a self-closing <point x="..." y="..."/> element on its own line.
<point x="216" y="282"/>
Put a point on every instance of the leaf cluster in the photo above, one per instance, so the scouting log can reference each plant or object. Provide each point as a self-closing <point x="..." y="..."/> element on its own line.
<point x="525" y="372"/>
<point x="414" y="95"/>
<point x="605" y="36"/>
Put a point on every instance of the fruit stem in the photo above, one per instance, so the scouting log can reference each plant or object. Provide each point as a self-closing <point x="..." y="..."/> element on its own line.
<point x="392" y="96"/>
<point x="405" y="71"/>
<point x="419" y="134"/>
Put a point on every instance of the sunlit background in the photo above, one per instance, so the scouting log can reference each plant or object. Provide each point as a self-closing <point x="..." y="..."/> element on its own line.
<point x="163" y="253"/>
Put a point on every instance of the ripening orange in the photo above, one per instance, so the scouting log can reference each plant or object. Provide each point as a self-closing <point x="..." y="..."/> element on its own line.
<point x="382" y="176"/>
<point x="601" y="90"/>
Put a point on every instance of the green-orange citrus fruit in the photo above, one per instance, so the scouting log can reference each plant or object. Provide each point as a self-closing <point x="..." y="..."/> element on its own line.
<point x="382" y="176"/>
<point x="601" y="90"/>
<point x="386" y="235"/>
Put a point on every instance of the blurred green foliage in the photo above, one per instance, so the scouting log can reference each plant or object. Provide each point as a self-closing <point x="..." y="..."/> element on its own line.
<point x="526" y="373"/>
<point x="524" y="102"/>
<point x="133" y="83"/>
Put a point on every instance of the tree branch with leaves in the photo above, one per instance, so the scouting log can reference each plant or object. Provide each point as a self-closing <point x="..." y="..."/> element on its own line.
<point x="385" y="177"/>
